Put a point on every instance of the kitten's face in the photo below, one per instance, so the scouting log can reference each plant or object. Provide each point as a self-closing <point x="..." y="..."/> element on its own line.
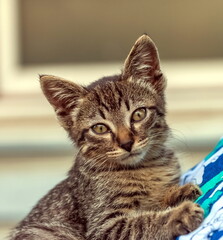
<point x="117" y="120"/>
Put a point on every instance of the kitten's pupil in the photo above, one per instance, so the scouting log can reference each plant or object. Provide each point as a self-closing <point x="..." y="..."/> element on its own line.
<point x="138" y="115"/>
<point x="100" y="128"/>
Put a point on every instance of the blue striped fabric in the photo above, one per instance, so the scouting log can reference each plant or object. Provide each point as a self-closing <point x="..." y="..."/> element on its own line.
<point x="208" y="174"/>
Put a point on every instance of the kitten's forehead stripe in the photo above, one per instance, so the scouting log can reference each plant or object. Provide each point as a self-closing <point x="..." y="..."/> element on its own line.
<point x="97" y="97"/>
<point x="119" y="92"/>
<point x="101" y="113"/>
<point x="127" y="104"/>
<point x="105" y="106"/>
<point x="109" y="96"/>
<point x="120" y="95"/>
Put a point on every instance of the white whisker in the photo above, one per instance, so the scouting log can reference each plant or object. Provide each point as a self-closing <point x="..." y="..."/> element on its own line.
<point x="116" y="153"/>
<point x="94" y="162"/>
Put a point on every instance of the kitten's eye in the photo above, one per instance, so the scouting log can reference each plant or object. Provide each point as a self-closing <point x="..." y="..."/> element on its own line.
<point x="139" y="115"/>
<point x="100" y="129"/>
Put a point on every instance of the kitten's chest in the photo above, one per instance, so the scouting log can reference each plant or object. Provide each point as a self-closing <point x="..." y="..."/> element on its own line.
<point x="155" y="184"/>
<point x="143" y="189"/>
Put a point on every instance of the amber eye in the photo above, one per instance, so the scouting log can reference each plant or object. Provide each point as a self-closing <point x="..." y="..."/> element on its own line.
<point x="139" y="115"/>
<point x="100" y="128"/>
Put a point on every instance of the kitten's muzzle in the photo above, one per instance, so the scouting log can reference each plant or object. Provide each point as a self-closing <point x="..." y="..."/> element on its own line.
<point x="125" y="139"/>
<point x="127" y="146"/>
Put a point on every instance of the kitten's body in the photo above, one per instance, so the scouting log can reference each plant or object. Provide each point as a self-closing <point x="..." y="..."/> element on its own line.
<point x="124" y="182"/>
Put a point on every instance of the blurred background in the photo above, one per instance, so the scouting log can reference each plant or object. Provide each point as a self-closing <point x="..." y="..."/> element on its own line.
<point x="83" y="41"/>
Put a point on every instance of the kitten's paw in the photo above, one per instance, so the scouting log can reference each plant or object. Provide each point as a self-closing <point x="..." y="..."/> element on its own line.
<point x="190" y="191"/>
<point x="178" y="194"/>
<point x="185" y="218"/>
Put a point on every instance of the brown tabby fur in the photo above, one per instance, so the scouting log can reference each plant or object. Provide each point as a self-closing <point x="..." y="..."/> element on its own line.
<point x="124" y="183"/>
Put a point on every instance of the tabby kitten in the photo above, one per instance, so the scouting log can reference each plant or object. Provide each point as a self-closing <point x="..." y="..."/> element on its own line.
<point x="124" y="181"/>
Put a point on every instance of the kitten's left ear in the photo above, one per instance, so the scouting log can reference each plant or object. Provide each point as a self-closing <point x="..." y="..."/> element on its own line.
<point x="143" y="63"/>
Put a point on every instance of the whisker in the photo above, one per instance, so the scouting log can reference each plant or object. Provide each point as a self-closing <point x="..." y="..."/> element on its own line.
<point x="144" y="140"/>
<point x="94" y="162"/>
<point x="143" y="143"/>
<point x="179" y="137"/>
<point x="115" y="155"/>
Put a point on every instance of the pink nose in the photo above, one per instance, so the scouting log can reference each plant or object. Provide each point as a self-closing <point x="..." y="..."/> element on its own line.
<point x="127" y="146"/>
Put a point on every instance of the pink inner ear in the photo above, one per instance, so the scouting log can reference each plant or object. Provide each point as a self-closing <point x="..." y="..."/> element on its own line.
<point x="61" y="94"/>
<point x="142" y="60"/>
<point x="143" y="63"/>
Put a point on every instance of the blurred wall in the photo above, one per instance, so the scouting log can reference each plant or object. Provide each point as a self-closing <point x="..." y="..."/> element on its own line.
<point x="55" y="31"/>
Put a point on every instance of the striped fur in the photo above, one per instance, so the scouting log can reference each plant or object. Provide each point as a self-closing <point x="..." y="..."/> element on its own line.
<point x="124" y="182"/>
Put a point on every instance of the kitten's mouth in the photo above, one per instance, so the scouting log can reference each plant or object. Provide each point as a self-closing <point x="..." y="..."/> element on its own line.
<point x="131" y="155"/>
<point x="132" y="158"/>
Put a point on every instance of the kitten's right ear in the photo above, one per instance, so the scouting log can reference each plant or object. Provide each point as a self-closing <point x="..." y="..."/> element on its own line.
<point x="63" y="95"/>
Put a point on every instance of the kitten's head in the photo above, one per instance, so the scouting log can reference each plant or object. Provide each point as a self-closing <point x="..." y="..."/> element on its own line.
<point x="118" y="120"/>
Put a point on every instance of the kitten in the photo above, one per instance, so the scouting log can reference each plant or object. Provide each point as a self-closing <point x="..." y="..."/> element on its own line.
<point x="124" y="181"/>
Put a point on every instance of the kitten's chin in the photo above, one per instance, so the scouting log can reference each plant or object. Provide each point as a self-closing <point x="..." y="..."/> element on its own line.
<point x="133" y="159"/>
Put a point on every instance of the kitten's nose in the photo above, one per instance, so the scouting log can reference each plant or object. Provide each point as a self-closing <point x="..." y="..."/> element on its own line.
<point x="127" y="146"/>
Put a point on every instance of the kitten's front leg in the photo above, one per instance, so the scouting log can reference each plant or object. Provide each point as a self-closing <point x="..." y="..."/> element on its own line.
<point x="47" y="232"/>
<point x="132" y="225"/>
<point x="177" y="194"/>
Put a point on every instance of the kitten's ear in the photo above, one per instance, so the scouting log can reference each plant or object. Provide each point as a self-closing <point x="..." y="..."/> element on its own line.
<point x="63" y="95"/>
<point x="143" y="63"/>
